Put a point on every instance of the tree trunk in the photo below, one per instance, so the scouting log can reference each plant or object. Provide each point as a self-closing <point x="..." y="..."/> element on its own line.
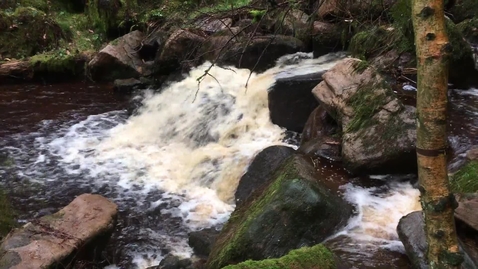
<point x="437" y="201"/>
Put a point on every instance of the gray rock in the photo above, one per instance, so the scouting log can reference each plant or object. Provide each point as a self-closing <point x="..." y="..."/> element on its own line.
<point x="119" y="59"/>
<point x="379" y="132"/>
<point x="51" y="240"/>
<point x="127" y="85"/>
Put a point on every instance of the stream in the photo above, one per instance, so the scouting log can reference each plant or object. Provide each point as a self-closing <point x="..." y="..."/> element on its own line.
<point x="173" y="166"/>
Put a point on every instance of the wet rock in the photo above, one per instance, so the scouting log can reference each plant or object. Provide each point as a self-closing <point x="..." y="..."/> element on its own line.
<point x="412" y="234"/>
<point x="259" y="53"/>
<point x="472" y="154"/>
<point x="119" y="59"/>
<point x="260" y="171"/>
<point x="174" y="262"/>
<point x="202" y="241"/>
<point x="291" y="102"/>
<point x="179" y="51"/>
<point x="295" y="209"/>
<point x="290" y="99"/>
<point x="80" y="229"/>
<point x="371" y="117"/>
<point x="127" y="85"/>
<point x="319" y="124"/>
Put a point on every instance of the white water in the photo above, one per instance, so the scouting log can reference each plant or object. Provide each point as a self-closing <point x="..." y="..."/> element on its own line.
<point x="194" y="149"/>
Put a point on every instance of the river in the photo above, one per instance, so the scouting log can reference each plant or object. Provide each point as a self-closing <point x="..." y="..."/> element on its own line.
<point x="173" y="166"/>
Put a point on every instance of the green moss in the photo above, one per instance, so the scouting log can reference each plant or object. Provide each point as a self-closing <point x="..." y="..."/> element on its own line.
<point x="317" y="256"/>
<point x="28" y="31"/>
<point x="367" y="101"/>
<point x="7" y="215"/>
<point x="465" y="180"/>
<point x="58" y="61"/>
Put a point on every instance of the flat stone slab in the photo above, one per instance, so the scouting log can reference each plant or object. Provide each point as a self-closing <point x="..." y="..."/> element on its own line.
<point x="52" y="239"/>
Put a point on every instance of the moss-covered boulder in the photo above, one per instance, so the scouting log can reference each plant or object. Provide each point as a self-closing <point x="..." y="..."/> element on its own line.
<point x="317" y="257"/>
<point x="462" y="66"/>
<point x="28" y="31"/>
<point x="295" y="209"/>
<point x="378" y="131"/>
<point x="469" y="29"/>
<point x="465" y="180"/>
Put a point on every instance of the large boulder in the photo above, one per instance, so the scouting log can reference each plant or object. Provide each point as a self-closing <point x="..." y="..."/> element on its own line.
<point x="77" y="230"/>
<point x="258" y="53"/>
<point x="411" y="231"/>
<point x="295" y="209"/>
<point x="260" y="171"/>
<point x="290" y="99"/>
<point x="119" y="59"/>
<point x="378" y="130"/>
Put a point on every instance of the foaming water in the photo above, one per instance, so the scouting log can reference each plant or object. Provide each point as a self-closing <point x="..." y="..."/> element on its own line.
<point x="176" y="163"/>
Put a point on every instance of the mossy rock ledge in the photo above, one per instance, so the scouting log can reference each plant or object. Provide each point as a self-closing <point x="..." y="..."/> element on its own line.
<point x="295" y="209"/>
<point x="316" y="257"/>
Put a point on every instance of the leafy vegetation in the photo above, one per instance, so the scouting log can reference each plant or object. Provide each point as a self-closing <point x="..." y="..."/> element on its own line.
<point x="465" y="180"/>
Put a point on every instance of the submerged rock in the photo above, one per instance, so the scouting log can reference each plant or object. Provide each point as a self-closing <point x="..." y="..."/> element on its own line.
<point x="295" y="209"/>
<point x="80" y="229"/>
<point x="119" y="59"/>
<point x="378" y="130"/>
<point x="261" y="170"/>
<point x="412" y="234"/>
<point x="127" y="85"/>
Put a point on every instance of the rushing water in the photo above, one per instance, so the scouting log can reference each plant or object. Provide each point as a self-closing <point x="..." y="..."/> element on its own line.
<point x="174" y="165"/>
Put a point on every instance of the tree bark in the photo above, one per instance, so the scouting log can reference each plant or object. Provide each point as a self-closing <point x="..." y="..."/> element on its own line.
<point x="438" y="203"/>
